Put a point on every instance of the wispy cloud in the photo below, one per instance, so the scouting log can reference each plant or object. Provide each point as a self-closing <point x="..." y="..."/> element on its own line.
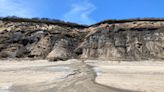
<point x="14" y="7"/>
<point x="80" y="12"/>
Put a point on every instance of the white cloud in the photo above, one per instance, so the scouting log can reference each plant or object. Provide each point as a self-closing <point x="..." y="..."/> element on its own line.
<point x="14" y="7"/>
<point x="80" y="12"/>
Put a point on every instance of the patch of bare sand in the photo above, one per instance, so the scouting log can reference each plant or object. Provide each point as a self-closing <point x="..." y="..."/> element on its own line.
<point x="145" y="76"/>
<point x="14" y="73"/>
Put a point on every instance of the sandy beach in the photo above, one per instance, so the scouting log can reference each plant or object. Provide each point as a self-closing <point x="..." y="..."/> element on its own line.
<point x="78" y="76"/>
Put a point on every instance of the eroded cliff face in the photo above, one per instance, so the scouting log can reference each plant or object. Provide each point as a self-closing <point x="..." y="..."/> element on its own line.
<point x="139" y="40"/>
<point x="125" y="41"/>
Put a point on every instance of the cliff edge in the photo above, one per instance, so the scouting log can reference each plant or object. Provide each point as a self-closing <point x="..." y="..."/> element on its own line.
<point x="135" y="39"/>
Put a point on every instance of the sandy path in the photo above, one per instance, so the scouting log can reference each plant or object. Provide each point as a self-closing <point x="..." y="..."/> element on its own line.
<point x="83" y="80"/>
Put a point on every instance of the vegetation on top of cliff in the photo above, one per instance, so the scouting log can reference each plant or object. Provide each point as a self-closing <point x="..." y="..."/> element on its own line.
<point x="42" y="20"/>
<point x="74" y="25"/>
<point x="112" y="21"/>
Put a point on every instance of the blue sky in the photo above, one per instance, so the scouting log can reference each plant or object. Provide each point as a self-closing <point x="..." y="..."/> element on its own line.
<point x="83" y="11"/>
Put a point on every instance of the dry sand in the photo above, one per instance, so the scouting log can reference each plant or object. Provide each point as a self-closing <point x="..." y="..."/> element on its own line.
<point x="77" y="76"/>
<point x="14" y="73"/>
<point x="145" y="76"/>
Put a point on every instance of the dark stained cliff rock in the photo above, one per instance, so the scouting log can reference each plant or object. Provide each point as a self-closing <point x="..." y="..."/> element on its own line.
<point x="129" y="40"/>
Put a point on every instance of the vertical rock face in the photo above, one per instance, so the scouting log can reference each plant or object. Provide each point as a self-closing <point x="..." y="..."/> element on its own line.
<point x="124" y="44"/>
<point x="139" y="40"/>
